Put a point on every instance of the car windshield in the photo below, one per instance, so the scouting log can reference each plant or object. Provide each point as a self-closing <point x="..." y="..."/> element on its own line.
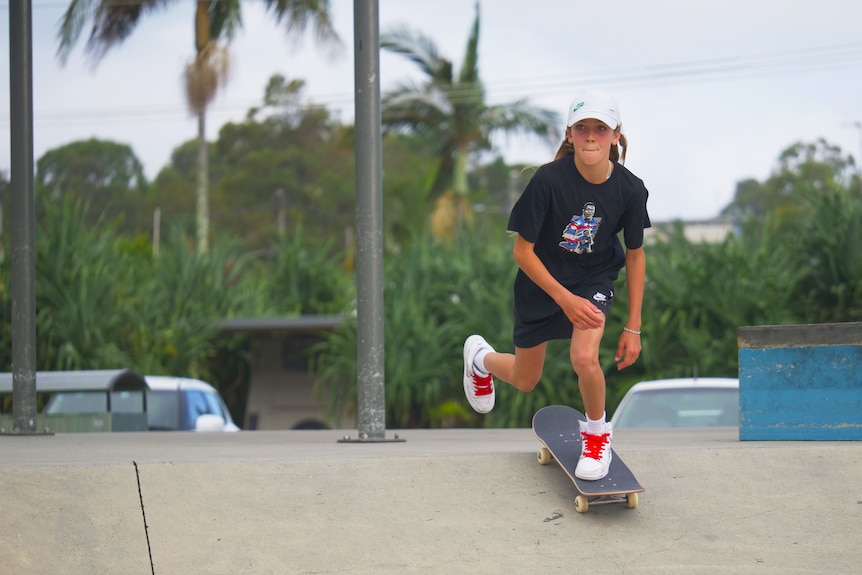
<point x="681" y="408"/>
<point x="202" y="403"/>
<point x="72" y="402"/>
<point x="170" y="410"/>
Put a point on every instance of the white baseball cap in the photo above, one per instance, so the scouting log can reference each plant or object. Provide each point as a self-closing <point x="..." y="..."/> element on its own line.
<point x="594" y="104"/>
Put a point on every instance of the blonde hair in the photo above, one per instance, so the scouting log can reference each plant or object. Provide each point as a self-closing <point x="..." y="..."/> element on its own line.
<point x="618" y="153"/>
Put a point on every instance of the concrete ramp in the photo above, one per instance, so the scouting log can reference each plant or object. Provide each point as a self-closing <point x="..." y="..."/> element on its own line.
<point x="443" y="502"/>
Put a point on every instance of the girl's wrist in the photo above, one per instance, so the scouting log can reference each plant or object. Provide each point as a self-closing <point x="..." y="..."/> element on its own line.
<point x="634" y="331"/>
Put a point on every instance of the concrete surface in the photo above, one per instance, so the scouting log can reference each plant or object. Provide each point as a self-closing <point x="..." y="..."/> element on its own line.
<point x="443" y="502"/>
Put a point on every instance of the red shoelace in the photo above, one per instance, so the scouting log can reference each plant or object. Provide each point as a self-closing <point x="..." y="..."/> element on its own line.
<point x="595" y="444"/>
<point x="482" y="385"/>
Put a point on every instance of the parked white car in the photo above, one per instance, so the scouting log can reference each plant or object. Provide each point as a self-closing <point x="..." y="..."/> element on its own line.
<point x="682" y="402"/>
<point x="185" y="404"/>
<point x="173" y="404"/>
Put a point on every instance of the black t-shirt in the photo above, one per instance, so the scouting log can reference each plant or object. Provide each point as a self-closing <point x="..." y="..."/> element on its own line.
<point x="575" y="225"/>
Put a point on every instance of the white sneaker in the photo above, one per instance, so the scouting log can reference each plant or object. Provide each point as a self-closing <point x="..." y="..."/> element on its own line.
<point x="595" y="453"/>
<point x="478" y="389"/>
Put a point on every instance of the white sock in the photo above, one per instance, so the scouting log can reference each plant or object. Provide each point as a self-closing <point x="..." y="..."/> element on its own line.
<point x="479" y="361"/>
<point x="596" y="427"/>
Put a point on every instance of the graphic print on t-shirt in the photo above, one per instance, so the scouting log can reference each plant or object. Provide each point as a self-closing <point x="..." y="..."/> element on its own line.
<point x="579" y="235"/>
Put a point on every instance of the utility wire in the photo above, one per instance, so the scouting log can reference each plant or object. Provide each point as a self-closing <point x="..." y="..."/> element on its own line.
<point x="815" y="59"/>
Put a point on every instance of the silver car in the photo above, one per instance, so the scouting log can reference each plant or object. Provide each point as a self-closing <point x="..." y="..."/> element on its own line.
<point x="682" y="402"/>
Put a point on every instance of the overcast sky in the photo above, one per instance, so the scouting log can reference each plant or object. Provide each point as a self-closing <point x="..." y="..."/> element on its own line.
<point x="711" y="91"/>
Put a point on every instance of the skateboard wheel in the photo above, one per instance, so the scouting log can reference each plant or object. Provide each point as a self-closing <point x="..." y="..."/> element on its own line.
<point x="581" y="504"/>
<point x="632" y="500"/>
<point x="543" y="455"/>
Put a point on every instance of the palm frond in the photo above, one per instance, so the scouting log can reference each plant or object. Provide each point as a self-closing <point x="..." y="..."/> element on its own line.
<point x="470" y="68"/>
<point x="297" y="15"/>
<point x="113" y="21"/>
<point x="454" y="113"/>
<point x="74" y="18"/>
<point x="521" y="116"/>
<point x="420" y="49"/>
<point x="415" y="111"/>
<point x="225" y="19"/>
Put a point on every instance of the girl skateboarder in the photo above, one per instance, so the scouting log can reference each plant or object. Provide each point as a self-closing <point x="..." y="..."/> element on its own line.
<point x="568" y="252"/>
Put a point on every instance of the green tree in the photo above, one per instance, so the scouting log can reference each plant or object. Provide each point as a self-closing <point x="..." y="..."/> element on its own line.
<point x="428" y="293"/>
<point x="177" y="299"/>
<point x="827" y="247"/>
<point x="5" y="313"/>
<point x="80" y="288"/>
<point x="290" y="165"/>
<point x="698" y="294"/>
<point x="104" y="301"/>
<point x="452" y="110"/>
<point x="216" y="22"/>
<point x="307" y="277"/>
<point x="803" y="171"/>
<point x="173" y="189"/>
<point x="808" y="211"/>
<point x="106" y="175"/>
<point x="5" y="210"/>
<point x="285" y="167"/>
<point x="408" y="168"/>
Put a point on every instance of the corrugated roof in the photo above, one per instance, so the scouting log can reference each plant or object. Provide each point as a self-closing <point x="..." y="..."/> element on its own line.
<point x="287" y="324"/>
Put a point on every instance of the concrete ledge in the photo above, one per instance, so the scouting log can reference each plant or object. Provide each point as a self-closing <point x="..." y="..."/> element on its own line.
<point x="807" y="335"/>
<point x="800" y="382"/>
<point x="443" y="502"/>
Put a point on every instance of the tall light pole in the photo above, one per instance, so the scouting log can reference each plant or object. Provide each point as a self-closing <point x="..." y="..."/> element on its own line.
<point x="370" y="364"/>
<point x="23" y="218"/>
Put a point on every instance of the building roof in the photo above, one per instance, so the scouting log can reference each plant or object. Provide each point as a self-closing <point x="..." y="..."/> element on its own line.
<point x="282" y="324"/>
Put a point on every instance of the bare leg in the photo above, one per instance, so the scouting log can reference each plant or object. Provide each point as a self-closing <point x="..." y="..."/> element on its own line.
<point x="523" y="369"/>
<point x="584" y="352"/>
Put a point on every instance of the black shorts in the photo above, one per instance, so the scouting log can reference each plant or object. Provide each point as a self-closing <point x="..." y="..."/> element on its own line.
<point x="530" y="332"/>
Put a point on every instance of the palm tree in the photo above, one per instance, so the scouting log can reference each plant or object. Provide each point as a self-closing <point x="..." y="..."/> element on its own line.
<point x="453" y="111"/>
<point x="215" y="21"/>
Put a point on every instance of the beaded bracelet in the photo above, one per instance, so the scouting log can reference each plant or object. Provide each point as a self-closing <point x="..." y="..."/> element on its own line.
<point x="634" y="331"/>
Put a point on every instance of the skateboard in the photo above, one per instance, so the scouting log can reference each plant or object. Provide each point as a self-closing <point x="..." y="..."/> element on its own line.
<point x="556" y="426"/>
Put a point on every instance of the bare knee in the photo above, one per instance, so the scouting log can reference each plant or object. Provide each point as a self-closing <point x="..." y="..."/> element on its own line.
<point x="584" y="352"/>
<point x="526" y="367"/>
<point x="526" y="383"/>
<point x="585" y="363"/>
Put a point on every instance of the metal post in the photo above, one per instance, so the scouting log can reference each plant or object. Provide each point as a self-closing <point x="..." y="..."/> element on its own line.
<point x="23" y="218"/>
<point x="369" y="223"/>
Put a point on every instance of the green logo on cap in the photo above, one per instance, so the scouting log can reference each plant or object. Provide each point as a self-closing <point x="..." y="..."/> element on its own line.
<point x="578" y="107"/>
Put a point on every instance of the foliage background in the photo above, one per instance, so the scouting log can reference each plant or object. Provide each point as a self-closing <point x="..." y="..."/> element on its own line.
<point x="114" y="289"/>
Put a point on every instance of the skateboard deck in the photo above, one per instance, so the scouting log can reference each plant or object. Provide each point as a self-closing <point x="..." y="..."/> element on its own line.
<point x="556" y="426"/>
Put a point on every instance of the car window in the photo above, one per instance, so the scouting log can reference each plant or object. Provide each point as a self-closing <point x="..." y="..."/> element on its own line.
<point x="127" y="401"/>
<point x="681" y="408"/>
<point x="72" y="402"/>
<point x="163" y="410"/>
<point x="201" y="403"/>
<point x="77" y="402"/>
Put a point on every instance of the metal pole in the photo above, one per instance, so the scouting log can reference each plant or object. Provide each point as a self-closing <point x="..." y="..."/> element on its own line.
<point x="369" y="223"/>
<point x="23" y="218"/>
